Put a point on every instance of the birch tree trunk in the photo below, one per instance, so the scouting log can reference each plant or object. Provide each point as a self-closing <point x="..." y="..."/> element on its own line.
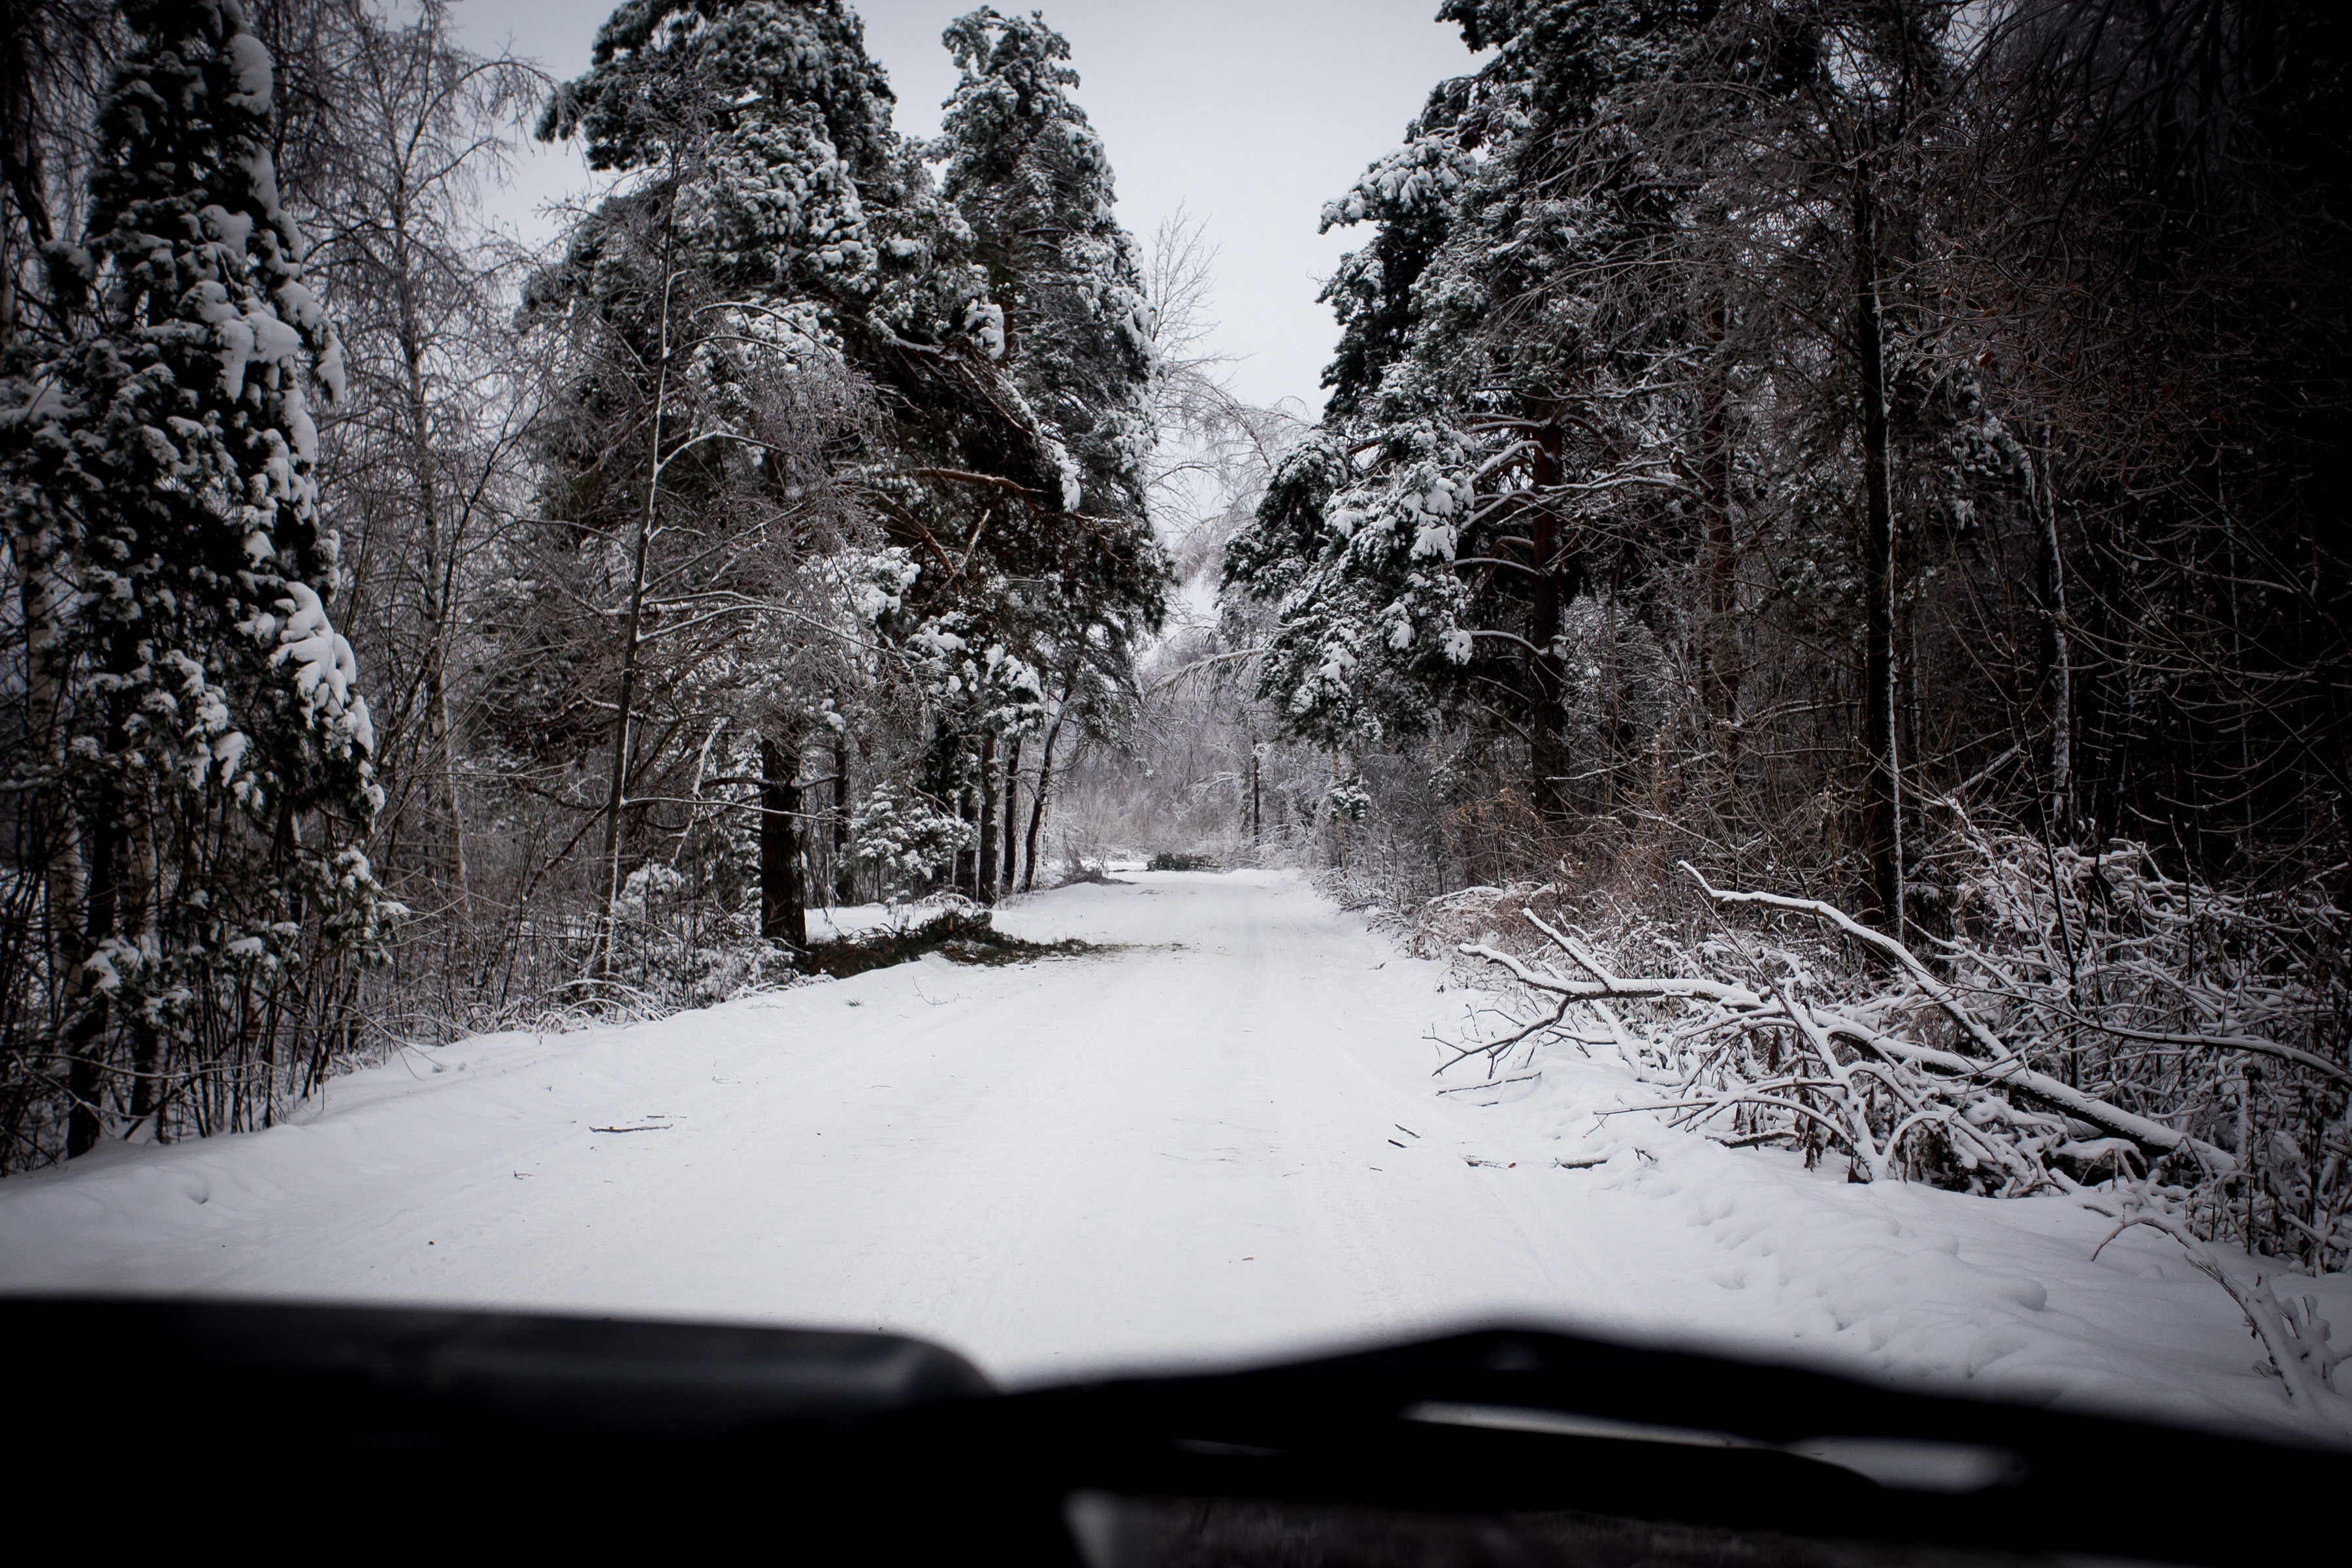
<point x="1045" y="789"/>
<point x="440" y="574"/>
<point x="633" y="625"/>
<point x="983" y="880"/>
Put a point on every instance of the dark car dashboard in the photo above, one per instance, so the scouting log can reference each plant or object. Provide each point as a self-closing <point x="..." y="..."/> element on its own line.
<point x="370" y="1430"/>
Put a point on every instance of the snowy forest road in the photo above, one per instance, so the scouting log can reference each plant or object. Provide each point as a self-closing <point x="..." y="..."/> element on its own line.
<point x="1213" y="1141"/>
<point x="1190" y="1145"/>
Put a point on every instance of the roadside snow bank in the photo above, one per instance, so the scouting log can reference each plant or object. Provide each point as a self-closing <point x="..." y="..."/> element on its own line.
<point x="1747" y="1247"/>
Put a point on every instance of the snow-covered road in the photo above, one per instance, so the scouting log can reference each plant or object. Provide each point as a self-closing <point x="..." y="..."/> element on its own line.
<point x="1216" y="1140"/>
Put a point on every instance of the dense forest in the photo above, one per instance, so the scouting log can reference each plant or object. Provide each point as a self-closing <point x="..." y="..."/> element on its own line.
<point x="1832" y="500"/>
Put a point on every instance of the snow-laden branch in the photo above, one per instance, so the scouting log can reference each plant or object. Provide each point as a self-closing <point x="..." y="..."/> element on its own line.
<point x="1776" y="1059"/>
<point x="2293" y="1334"/>
<point x="1878" y="941"/>
<point x="2005" y="1068"/>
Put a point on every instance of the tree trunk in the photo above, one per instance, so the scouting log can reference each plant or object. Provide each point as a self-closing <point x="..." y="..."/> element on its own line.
<point x="1009" y="873"/>
<point x="964" y="876"/>
<point x="53" y="829"/>
<point x="1338" y="817"/>
<point x="784" y="905"/>
<point x="632" y="637"/>
<point x="1880" y="825"/>
<point x="440" y="567"/>
<point x="2060" y="814"/>
<point x="625" y="703"/>
<point x="1719" y="646"/>
<point x="146" y="1040"/>
<point x="1256" y="817"/>
<point x="1045" y="789"/>
<point x="984" y="882"/>
<point x="845" y="870"/>
<point x="90" y="1039"/>
<point x="86" y="1041"/>
<point x="1547" y="719"/>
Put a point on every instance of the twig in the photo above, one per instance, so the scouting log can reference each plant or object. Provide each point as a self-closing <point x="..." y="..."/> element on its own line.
<point x="1490" y="1083"/>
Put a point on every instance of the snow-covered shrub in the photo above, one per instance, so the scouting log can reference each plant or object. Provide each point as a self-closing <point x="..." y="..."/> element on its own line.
<point x="907" y="839"/>
<point x="676" y="947"/>
<point x="2226" y="1011"/>
<point x="2094" y="1019"/>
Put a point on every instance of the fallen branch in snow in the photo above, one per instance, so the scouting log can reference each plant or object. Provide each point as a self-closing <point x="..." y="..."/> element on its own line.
<point x="1856" y="1073"/>
<point x="2294" y="1336"/>
<point x="649" y="1127"/>
<point x="1492" y="1083"/>
<point x="1878" y="941"/>
<point x="2221" y="1012"/>
<point x="2089" y="1024"/>
<point x="2087" y="1016"/>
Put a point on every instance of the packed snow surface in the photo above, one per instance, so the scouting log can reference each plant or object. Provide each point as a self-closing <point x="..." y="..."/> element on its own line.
<point x="1216" y="1140"/>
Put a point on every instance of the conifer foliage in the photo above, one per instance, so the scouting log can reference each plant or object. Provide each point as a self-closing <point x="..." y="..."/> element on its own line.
<point x="809" y="502"/>
<point x="1066" y="307"/>
<point x="1493" y="449"/>
<point x="199" y="740"/>
<point x="779" y="234"/>
<point x="1078" y="577"/>
<point x="1846" y="446"/>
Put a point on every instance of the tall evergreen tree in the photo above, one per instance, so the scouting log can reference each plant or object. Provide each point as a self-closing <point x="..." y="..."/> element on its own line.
<point x="205" y="743"/>
<point x="1067" y="315"/>
<point x="1032" y="178"/>
<point x="1493" y="448"/>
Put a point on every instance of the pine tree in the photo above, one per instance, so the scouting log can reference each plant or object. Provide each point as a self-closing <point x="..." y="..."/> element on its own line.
<point x="665" y="70"/>
<point x="1493" y="448"/>
<point x="207" y="745"/>
<point x="715" y="302"/>
<point x="792" y="225"/>
<point x="1032" y="178"/>
<point x="1075" y="584"/>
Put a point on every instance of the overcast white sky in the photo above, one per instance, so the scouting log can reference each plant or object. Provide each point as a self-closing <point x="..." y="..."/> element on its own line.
<point x="1247" y="113"/>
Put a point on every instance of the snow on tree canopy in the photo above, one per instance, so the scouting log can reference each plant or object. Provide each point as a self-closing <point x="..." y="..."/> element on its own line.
<point x="657" y="64"/>
<point x="194" y="437"/>
<point x="1424" y="548"/>
<point x="1066" y="309"/>
<point x="777" y="193"/>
